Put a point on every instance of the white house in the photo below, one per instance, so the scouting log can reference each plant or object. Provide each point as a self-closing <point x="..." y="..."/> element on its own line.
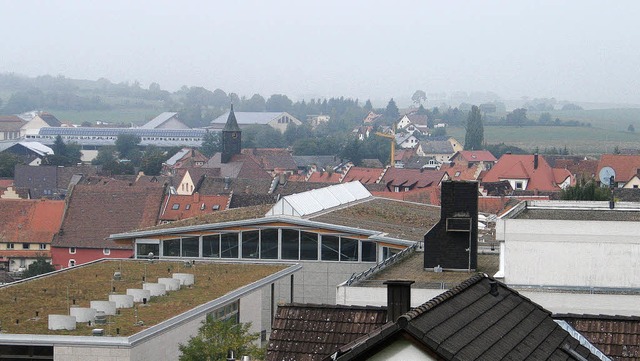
<point x="277" y="120"/>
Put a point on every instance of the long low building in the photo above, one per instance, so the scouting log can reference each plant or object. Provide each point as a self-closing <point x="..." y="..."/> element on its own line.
<point x="97" y="137"/>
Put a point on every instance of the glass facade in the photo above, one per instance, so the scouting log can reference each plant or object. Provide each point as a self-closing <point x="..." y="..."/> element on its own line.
<point x="268" y="244"/>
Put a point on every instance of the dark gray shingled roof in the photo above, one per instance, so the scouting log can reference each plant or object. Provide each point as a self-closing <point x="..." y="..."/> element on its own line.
<point x="469" y="322"/>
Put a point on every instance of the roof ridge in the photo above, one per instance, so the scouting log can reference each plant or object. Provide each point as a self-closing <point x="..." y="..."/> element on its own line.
<point x="336" y="306"/>
<point x="432" y="303"/>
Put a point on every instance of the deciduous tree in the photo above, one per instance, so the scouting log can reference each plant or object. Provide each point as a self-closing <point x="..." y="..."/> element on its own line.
<point x="216" y="337"/>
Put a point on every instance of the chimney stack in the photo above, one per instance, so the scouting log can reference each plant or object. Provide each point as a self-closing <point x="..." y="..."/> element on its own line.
<point x="398" y="298"/>
<point x="535" y="161"/>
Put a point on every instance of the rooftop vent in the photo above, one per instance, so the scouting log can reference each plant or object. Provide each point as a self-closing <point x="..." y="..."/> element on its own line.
<point x="97" y="332"/>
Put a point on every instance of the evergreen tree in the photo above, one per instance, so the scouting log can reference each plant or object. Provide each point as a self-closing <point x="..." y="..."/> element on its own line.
<point x="211" y="144"/>
<point x="40" y="266"/>
<point x="391" y="112"/>
<point x="474" y="136"/>
<point x="367" y="106"/>
<point x="585" y="191"/>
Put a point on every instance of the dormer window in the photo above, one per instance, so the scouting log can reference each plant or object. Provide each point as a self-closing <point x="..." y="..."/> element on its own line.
<point x="175" y="206"/>
<point x="187" y="207"/>
<point x="215" y="207"/>
<point x="203" y="206"/>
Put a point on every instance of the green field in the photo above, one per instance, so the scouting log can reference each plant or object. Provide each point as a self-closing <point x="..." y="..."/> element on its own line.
<point x="614" y="119"/>
<point x="578" y="140"/>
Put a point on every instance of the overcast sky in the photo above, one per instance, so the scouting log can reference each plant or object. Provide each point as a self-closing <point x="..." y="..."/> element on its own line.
<point x="570" y="50"/>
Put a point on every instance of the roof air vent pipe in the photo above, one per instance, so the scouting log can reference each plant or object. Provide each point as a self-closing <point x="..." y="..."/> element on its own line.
<point x="493" y="288"/>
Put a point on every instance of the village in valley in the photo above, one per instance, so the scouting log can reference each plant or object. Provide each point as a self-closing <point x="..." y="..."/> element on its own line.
<point x="441" y="239"/>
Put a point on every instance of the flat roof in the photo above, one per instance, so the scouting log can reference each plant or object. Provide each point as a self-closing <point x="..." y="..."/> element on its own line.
<point x="55" y="293"/>
<point x="580" y="215"/>
<point x="412" y="268"/>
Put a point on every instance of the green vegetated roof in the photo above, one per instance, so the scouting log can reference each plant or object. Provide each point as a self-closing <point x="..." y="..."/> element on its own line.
<point x="54" y="294"/>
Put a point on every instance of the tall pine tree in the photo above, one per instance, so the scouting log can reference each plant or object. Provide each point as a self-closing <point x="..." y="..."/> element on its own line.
<point x="474" y="136"/>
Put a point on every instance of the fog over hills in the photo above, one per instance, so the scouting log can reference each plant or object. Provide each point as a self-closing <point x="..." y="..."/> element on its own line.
<point x="583" y="51"/>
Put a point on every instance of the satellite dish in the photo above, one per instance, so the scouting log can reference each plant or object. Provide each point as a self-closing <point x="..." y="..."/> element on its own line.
<point x="605" y="175"/>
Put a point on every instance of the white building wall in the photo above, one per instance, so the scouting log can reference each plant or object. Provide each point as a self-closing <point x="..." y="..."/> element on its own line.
<point x="401" y="350"/>
<point x="570" y="253"/>
<point x="78" y="353"/>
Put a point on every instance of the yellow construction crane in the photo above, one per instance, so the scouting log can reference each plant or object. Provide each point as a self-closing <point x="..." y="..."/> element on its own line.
<point x="393" y="145"/>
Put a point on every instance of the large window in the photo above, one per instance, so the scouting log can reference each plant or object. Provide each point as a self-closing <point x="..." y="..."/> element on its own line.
<point x="308" y="246"/>
<point x="348" y="249"/>
<point x="229" y="245"/>
<point x="291" y="243"/>
<point x="330" y="247"/>
<point x="250" y="244"/>
<point x="191" y="247"/>
<point x="369" y="251"/>
<point x="211" y="246"/>
<point x="143" y="250"/>
<point x="269" y="244"/>
<point x="171" y="248"/>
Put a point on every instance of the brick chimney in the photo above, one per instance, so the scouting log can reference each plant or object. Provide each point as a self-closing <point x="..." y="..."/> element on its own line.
<point x="535" y="161"/>
<point x="452" y="244"/>
<point x="398" y="298"/>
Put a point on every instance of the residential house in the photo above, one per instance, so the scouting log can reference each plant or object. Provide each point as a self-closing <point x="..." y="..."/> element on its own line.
<point x="238" y="166"/>
<point x="333" y="232"/>
<point x="10" y="127"/>
<point x="581" y="167"/>
<point x="30" y="153"/>
<point x="37" y="121"/>
<point x="277" y="120"/>
<point x="626" y="167"/>
<point x="441" y="149"/>
<point x="363" y="132"/>
<point x="410" y="123"/>
<point x="406" y="140"/>
<point x="471" y="158"/>
<point x="364" y="175"/>
<point x="151" y="308"/>
<point x="26" y="231"/>
<point x="304" y="331"/>
<point x="371" y="117"/>
<point x="405" y="180"/>
<point x="480" y="319"/>
<point x="166" y="120"/>
<point x="273" y="160"/>
<point x="615" y="336"/>
<point x="529" y="172"/>
<point x="96" y="210"/>
<point x="316" y="120"/>
<point x="192" y="177"/>
<point x="177" y="207"/>
<point x="184" y="158"/>
<point x="307" y="163"/>
<point x="50" y="181"/>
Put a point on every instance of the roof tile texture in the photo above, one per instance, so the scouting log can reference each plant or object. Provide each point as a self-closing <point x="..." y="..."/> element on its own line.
<point x="96" y="211"/>
<point x="312" y="332"/>
<point x="29" y="221"/>
<point x="617" y="336"/>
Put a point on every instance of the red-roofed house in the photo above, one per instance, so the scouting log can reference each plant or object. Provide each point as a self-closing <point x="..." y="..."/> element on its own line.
<point x="94" y="211"/>
<point x="627" y="168"/>
<point x="324" y="177"/>
<point x="474" y="157"/>
<point x="405" y="180"/>
<point x="273" y="160"/>
<point x="176" y="207"/>
<point x="529" y="172"/>
<point x="463" y="172"/>
<point x="364" y="175"/>
<point x="26" y="230"/>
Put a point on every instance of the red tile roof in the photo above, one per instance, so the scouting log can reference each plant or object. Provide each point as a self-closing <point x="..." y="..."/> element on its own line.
<point x="96" y="211"/>
<point x="312" y="332"/>
<point x="518" y="166"/>
<point x="626" y="166"/>
<point x="272" y="158"/>
<point x="177" y="207"/>
<point x="477" y="156"/>
<point x="325" y="177"/>
<point x="461" y="171"/>
<point x="29" y="221"/>
<point x="412" y="178"/>
<point x="4" y="183"/>
<point x="616" y="336"/>
<point x="364" y="175"/>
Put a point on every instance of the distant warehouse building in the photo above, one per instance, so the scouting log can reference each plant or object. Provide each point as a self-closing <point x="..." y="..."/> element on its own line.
<point x="89" y="137"/>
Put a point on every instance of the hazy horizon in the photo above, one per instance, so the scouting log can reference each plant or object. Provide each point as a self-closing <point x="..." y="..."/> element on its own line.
<point x="579" y="51"/>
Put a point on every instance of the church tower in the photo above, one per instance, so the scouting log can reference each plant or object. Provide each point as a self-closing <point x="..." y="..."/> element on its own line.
<point x="231" y="138"/>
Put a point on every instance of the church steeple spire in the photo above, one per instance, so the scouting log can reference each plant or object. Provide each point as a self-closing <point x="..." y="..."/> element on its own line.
<point x="231" y="137"/>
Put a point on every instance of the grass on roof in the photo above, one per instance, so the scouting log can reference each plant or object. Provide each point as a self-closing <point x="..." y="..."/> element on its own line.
<point x="56" y="293"/>
<point x="229" y="215"/>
